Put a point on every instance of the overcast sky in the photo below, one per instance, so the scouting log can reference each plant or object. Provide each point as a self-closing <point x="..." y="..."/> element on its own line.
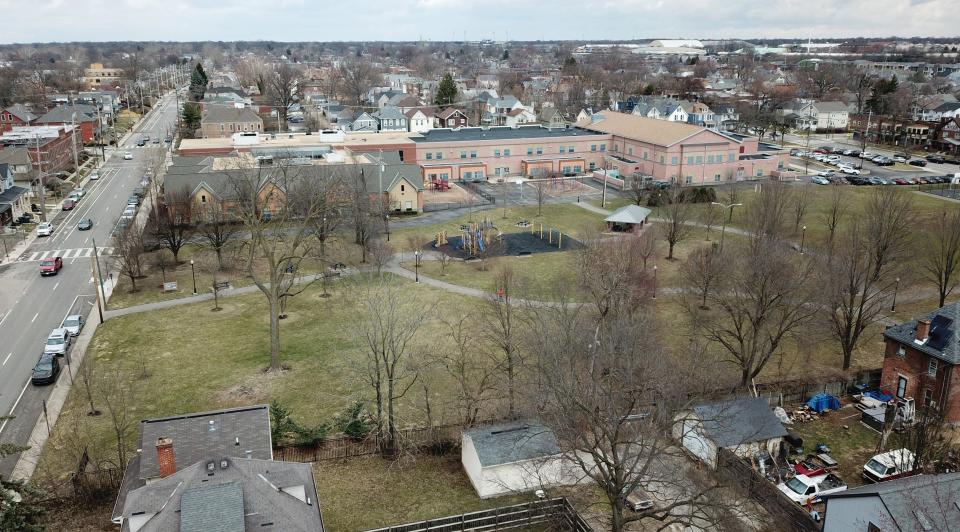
<point x="440" y="20"/>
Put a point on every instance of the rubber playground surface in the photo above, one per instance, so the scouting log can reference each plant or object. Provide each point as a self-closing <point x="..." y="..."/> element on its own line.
<point x="514" y="244"/>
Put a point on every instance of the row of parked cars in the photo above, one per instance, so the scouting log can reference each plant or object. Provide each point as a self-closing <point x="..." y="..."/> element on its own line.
<point x="58" y="343"/>
<point x="829" y="177"/>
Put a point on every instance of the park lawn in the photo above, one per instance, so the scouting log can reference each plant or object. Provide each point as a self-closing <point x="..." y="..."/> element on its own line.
<point x="197" y="360"/>
<point x="370" y="492"/>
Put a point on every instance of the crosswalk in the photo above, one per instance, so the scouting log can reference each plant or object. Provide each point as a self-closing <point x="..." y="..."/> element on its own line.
<point x="75" y="253"/>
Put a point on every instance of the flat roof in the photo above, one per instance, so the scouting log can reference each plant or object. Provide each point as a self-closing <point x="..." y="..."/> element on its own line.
<point x="298" y="140"/>
<point x="500" y="133"/>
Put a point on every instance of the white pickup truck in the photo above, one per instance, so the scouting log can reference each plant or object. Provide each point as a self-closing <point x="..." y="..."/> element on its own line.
<point x="802" y="488"/>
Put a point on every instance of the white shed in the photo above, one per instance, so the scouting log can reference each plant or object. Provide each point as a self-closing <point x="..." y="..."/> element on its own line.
<point x="744" y="426"/>
<point x="511" y="457"/>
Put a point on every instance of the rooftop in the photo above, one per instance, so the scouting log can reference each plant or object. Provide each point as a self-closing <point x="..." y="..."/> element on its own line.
<point x="942" y="342"/>
<point x="922" y="502"/>
<point x="641" y="128"/>
<point x="507" y="443"/>
<point x="730" y="423"/>
<point x="499" y="133"/>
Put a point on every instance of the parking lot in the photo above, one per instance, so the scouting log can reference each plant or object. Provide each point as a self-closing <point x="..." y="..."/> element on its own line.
<point x="554" y="191"/>
<point x="869" y="169"/>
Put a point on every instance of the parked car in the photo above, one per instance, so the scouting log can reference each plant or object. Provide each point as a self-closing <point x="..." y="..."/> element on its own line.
<point x="46" y="370"/>
<point x="795" y="152"/>
<point x="79" y="191"/>
<point x="885" y="161"/>
<point x="847" y="152"/>
<point x="900" y="181"/>
<point x="44" y="229"/>
<point x="900" y="159"/>
<point x="25" y="218"/>
<point x="58" y="342"/>
<point x="73" y="324"/>
<point x="133" y="200"/>
<point x="935" y="159"/>
<point x="917" y="162"/>
<point x="802" y="488"/>
<point x="889" y="465"/>
<point x="128" y="156"/>
<point x="854" y="153"/>
<point x="68" y="204"/>
<point x="847" y="169"/>
<point x="826" y="173"/>
<point x="85" y="224"/>
<point x="51" y="266"/>
<point x="94" y="175"/>
<point x="819" y="180"/>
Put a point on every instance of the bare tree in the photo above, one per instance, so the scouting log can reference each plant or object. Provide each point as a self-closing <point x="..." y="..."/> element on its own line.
<point x="277" y="206"/>
<point x="116" y="394"/>
<point x="646" y="246"/>
<point x="474" y="372"/>
<point x="362" y="209"/>
<point x="128" y="254"/>
<point x="358" y="77"/>
<point x="501" y="327"/>
<point x="834" y="214"/>
<point x="637" y="188"/>
<point x="610" y="395"/>
<point x="381" y="252"/>
<point x="886" y="219"/>
<point x="171" y="223"/>
<point x="284" y="84"/>
<point x="609" y="271"/>
<point x="801" y="202"/>
<point x="541" y="191"/>
<point x="941" y="260"/>
<point x="389" y="323"/>
<point x="764" y="297"/>
<point x="702" y="272"/>
<point x="675" y="214"/>
<point x="217" y="227"/>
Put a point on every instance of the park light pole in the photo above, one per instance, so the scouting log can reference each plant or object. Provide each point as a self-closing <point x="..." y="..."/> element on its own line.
<point x="654" y="281"/>
<point x="803" y="238"/>
<point x="723" y="230"/>
<point x="386" y="219"/>
<point x="193" y="273"/>
<point x="416" y="262"/>
<point x="896" y="288"/>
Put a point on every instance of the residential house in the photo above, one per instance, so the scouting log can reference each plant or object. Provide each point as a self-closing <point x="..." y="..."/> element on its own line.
<point x="698" y="113"/>
<point x="15" y="115"/>
<point x="743" y="426"/>
<point x="20" y="165"/>
<point x="725" y="117"/>
<point x="488" y="81"/>
<point x="945" y="111"/>
<point x="921" y="502"/>
<point x="517" y="117"/>
<point x="520" y="456"/>
<point x="660" y="108"/>
<point x="13" y="198"/>
<point x="920" y="358"/>
<point x="948" y="136"/>
<point x="218" y="121"/>
<point x="364" y="122"/>
<point x="84" y="117"/>
<point x="419" y="119"/>
<point x="390" y="119"/>
<point x="550" y="117"/>
<point x="818" y="116"/>
<point x="451" y="118"/>
<point x="383" y="99"/>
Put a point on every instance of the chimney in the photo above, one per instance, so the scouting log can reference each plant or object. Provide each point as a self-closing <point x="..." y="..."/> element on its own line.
<point x="165" y="458"/>
<point x="923" y="330"/>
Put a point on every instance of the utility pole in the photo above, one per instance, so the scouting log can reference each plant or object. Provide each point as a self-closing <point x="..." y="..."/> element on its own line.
<point x="863" y="138"/>
<point x="42" y="191"/>
<point x="76" y="163"/>
<point x="96" y="274"/>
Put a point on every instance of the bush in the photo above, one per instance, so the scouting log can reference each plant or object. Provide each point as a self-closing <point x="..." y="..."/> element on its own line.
<point x="354" y="421"/>
<point x="702" y="195"/>
<point x="286" y="431"/>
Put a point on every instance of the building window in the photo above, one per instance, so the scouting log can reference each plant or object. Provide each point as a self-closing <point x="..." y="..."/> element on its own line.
<point x="901" y="352"/>
<point x="630" y="150"/>
<point x="439" y="155"/>
<point x="645" y="155"/>
<point x="716" y="178"/>
<point x="593" y="147"/>
<point x="927" y="397"/>
<point x="603" y="147"/>
<point x="593" y="166"/>
<point x="709" y="159"/>
<point x="529" y="151"/>
<point x="578" y="169"/>
<point x="616" y="147"/>
<point x="473" y="154"/>
<point x="401" y="188"/>
<point x="932" y="367"/>
<point x="203" y="198"/>
<point x="730" y="158"/>
<point x="506" y="152"/>
<point x="463" y="155"/>
<point x="690" y="159"/>
<point x="689" y="179"/>
<point x="901" y="386"/>
<point x="674" y="160"/>
<point x="496" y="153"/>
<point x="429" y="156"/>
<point x="699" y="159"/>
<point x="539" y="150"/>
<point x="563" y="149"/>
<point x="570" y="149"/>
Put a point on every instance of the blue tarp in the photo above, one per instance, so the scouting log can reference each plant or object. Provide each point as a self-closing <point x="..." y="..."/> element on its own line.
<point x="879" y="396"/>
<point x="823" y="401"/>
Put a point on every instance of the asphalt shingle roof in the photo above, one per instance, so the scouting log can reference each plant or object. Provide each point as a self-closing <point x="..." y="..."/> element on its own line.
<point x="215" y="114"/>
<point x="935" y="497"/>
<point x="739" y="421"/>
<point x="906" y="333"/>
<point x="63" y="114"/>
<point x="629" y="214"/>
<point x="507" y="443"/>
<point x="217" y="508"/>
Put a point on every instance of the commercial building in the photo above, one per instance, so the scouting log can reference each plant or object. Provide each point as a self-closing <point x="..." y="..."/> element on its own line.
<point x="97" y="76"/>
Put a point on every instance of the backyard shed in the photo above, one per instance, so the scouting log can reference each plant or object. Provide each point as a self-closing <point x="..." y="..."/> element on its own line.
<point x="512" y="457"/>
<point x="744" y="426"/>
<point x="627" y="219"/>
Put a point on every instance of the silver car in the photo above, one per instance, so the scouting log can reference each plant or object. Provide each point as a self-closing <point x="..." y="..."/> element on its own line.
<point x="58" y="342"/>
<point x="73" y="324"/>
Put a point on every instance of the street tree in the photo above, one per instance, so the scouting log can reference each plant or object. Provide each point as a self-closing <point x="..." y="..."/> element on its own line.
<point x="886" y="221"/>
<point x="284" y="83"/>
<point x="128" y="254"/>
<point x="675" y="213"/>
<point x="702" y="272"/>
<point x="170" y="222"/>
<point x="216" y="226"/>
<point x="941" y="260"/>
<point x="357" y="76"/>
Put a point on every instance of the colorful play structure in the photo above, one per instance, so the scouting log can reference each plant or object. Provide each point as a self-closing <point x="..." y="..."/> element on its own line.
<point x="476" y="236"/>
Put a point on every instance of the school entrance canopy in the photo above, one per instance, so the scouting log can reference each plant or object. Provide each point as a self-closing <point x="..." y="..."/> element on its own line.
<point x="627" y="218"/>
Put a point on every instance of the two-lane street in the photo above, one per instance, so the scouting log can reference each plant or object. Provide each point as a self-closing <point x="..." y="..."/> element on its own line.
<point x="31" y="306"/>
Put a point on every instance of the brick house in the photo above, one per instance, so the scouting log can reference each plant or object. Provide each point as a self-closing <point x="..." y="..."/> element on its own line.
<point x="919" y="361"/>
<point x="451" y="118"/>
<point x="15" y="115"/>
<point x="221" y="121"/>
<point x="83" y="116"/>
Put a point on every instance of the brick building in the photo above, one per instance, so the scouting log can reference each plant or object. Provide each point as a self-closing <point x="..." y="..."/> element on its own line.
<point x="84" y="116"/>
<point x="15" y="115"/>
<point x="920" y="358"/>
<point x="50" y="148"/>
<point x="97" y="76"/>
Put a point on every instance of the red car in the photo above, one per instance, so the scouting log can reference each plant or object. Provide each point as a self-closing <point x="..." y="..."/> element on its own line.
<point x="900" y="181"/>
<point x="51" y="266"/>
<point x="68" y="204"/>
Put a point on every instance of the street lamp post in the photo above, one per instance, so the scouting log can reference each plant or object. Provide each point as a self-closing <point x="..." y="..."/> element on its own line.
<point x="386" y="219"/>
<point x="654" y="281"/>
<point x="416" y="267"/>
<point x="896" y="288"/>
<point x="193" y="273"/>
<point x="803" y="238"/>
<point x="723" y="230"/>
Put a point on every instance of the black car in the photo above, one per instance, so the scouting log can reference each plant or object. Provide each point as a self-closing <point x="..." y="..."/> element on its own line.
<point x="917" y="162"/>
<point x="85" y="224"/>
<point x="25" y="218"/>
<point x="46" y="370"/>
<point x="935" y="159"/>
<point x="855" y="153"/>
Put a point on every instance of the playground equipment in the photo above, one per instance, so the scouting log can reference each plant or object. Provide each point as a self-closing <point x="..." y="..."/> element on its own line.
<point x="441" y="239"/>
<point x="476" y="236"/>
<point x="550" y="231"/>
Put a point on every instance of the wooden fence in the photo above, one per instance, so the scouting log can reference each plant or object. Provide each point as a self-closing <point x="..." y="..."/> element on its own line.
<point x="341" y="447"/>
<point x="558" y="513"/>
<point x="786" y="513"/>
<point x="793" y="392"/>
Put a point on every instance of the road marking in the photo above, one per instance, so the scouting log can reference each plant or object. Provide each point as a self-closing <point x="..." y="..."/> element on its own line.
<point x="34" y="317"/>
<point x="15" y="403"/>
<point x="7" y="313"/>
<point x="56" y="285"/>
<point x="8" y="358"/>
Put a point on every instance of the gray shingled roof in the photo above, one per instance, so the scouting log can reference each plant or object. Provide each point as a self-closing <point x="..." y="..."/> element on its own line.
<point x="499" y="133"/>
<point x="21" y="112"/>
<point x="216" y="114"/>
<point x="239" y="497"/>
<point x="195" y="438"/>
<point x="935" y="497"/>
<point x="905" y="333"/>
<point x="507" y="443"/>
<point x="63" y="114"/>
<point x="831" y="107"/>
<point x="739" y="421"/>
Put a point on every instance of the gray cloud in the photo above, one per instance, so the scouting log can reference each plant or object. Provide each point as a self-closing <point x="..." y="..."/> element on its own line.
<point x="367" y="20"/>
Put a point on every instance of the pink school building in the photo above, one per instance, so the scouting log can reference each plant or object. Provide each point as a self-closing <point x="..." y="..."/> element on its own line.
<point x="666" y="151"/>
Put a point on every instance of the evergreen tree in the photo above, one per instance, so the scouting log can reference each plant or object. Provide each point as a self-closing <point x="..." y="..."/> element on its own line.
<point x="506" y="55"/>
<point x="20" y="508"/>
<point x="446" y="91"/>
<point x="198" y="83"/>
<point x="191" y="120"/>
